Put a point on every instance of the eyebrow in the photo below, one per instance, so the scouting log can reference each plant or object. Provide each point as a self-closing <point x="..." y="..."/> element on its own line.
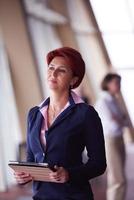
<point x="59" y="66"/>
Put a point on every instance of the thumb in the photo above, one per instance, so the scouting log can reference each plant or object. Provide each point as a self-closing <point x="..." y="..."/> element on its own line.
<point x="56" y="167"/>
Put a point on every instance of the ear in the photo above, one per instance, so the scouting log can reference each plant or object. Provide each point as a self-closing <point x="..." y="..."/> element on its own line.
<point x="74" y="80"/>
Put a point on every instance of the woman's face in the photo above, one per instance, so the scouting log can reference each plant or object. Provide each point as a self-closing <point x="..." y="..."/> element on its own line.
<point x="59" y="74"/>
<point x="114" y="86"/>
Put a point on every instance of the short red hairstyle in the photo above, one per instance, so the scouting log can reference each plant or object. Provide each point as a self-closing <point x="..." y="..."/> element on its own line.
<point x="74" y="59"/>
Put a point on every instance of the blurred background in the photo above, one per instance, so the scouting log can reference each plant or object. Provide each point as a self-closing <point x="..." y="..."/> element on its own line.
<point x="103" y="31"/>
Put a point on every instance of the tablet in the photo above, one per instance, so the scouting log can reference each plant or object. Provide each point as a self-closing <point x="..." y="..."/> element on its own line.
<point x="38" y="171"/>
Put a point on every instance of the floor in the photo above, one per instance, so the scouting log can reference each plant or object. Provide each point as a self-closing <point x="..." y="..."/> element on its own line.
<point x="98" y="185"/>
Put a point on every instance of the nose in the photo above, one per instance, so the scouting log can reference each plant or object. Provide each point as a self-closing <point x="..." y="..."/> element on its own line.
<point x="54" y="73"/>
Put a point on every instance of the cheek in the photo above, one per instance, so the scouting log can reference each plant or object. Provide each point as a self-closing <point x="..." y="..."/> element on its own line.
<point x="117" y="87"/>
<point x="48" y="74"/>
<point x="65" y="80"/>
<point x="112" y="87"/>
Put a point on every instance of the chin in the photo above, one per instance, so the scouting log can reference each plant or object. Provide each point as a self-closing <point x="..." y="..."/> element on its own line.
<point x="53" y="88"/>
<point x="52" y="85"/>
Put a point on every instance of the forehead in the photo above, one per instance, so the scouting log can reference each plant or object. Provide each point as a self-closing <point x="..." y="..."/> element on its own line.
<point x="115" y="81"/>
<point x="59" y="61"/>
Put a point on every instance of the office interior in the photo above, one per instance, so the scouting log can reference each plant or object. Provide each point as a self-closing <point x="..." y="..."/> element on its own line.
<point x="103" y="31"/>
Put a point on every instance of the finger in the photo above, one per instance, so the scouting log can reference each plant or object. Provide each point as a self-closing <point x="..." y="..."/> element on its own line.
<point x="52" y="179"/>
<point x="18" y="173"/>
<point x="56" y="167"/>
<point x="22" y="176"/>
<point x="59" y="181"/>
<point x="54" y="175"/>
<point x="60" y="170"/>
<point x="58" y="174"/>
<point x="24" y="180"/>
<point x="25" y="175"/>
<point x="55" y="180"/>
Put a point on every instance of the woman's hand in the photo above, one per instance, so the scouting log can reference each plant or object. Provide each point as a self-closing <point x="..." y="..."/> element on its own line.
<point x="59" y="176"/>
<point x="22" y="177"/>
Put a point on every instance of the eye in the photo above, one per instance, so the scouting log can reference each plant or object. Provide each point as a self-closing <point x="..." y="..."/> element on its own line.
<point x="62" y="70"/>
<point x="50" y="68"/>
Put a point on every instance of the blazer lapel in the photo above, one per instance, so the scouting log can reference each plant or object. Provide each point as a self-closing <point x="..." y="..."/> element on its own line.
<point x="36" y="131"/>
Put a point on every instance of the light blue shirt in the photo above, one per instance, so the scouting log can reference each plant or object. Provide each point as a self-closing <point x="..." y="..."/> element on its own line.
<point x="112" y="116"/>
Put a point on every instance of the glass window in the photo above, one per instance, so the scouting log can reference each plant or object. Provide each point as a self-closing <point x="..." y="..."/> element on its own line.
<point x="41" y="24"/>
<point x="44" y="39"/>
<point x="131" y="9"/>
<point x="112" y="15"/>
<point x="115" y="19"/>
<point x="127" y="83"/>
<point x="121" y="49"/>
<point x="116" y="23"/>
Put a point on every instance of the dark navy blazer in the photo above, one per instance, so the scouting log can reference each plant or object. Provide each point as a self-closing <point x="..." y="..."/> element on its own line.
<point x="77" y="127"/>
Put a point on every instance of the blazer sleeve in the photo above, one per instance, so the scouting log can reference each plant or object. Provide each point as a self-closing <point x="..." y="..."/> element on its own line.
<point x="94" y="142"/>
<point x="30" y="121"/>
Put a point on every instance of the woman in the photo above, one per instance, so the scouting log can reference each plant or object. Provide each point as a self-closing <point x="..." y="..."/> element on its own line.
<point x="114" y="120"/>
<point x="60" y="128"/>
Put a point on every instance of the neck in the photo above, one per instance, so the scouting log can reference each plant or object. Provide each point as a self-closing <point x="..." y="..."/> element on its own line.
<point x="114" y="94"/>
<point x="111" y="93"/>
<point x="58" y="100"/>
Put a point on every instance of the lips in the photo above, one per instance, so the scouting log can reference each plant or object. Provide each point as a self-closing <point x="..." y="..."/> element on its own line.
<point x="53" y="81"/>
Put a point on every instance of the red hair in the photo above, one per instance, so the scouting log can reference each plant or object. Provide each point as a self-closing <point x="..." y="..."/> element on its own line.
<point x="74" y="58"/>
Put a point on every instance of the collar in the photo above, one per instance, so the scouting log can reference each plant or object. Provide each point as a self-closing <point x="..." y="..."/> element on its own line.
<point x="73" y="100"/>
